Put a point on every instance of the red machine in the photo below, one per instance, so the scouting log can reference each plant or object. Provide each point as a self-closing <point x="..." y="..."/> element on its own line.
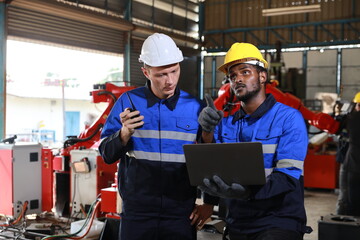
<point x="87" y="164"/>
<point x="320" y="170"/>
<point x="47" y="179"/>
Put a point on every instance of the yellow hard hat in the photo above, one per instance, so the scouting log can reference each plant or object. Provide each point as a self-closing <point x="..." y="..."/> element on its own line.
<point x="357" y="98"/>
<point x="243" y="53"/>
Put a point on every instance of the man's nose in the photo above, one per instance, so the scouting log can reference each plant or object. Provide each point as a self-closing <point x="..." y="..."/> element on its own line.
<point x="170" y="78"/>
<point x="237" y="78"/>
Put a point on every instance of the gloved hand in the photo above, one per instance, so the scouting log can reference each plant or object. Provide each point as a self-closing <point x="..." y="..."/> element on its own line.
<point x="210" y="117"/>
<point x="217" y="187"/>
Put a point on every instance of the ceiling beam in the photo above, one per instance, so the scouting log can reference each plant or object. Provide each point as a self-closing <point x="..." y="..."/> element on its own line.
<point x="96" y="18"/>
<point x="75" y="13"/>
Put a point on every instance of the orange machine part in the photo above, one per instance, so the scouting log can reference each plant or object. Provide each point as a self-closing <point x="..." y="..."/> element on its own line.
<point x="47" y="179"/>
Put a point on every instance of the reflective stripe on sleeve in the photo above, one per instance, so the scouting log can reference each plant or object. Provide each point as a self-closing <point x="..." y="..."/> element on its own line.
<point x="269" y="148"/>
<point x="165" y="134"/>
<point x="288" y="163"/>
<point x="154" y="156"/>
<point x="268" y="171"/>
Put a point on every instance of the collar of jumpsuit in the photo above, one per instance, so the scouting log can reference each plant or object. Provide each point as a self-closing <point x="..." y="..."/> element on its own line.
<point x="260" y="111"/>
<point x="152" y="99"/>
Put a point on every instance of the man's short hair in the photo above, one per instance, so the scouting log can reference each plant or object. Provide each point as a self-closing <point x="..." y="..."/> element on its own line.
<point x="147" y="66"/>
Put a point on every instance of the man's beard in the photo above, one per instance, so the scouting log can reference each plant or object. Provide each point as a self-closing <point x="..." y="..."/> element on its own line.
<point x="248" y="95"/>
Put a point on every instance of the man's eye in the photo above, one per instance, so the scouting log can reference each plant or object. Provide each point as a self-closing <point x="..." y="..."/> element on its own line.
<point x="244" y="73"/>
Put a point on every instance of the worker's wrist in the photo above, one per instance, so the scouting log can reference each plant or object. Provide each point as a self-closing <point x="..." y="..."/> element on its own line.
<point x="207" y="137"/>
<point x="124" y="135"/>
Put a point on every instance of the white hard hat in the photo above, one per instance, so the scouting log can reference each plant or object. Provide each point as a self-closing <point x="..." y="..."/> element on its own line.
<point x="160" y="50"/>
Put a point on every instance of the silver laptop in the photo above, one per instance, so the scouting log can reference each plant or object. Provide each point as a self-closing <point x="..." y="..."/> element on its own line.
<point x="241" y="163"/>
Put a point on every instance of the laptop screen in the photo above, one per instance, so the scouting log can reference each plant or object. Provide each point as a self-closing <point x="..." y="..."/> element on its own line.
<point x="241" y="163"/>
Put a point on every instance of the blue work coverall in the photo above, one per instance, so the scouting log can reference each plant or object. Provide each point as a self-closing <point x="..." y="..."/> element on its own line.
<point x="152" y="176"/>
<point x="280" y="202"/>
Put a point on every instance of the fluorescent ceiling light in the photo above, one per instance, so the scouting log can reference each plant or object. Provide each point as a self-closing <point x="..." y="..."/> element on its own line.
<point x="290" y="10"/>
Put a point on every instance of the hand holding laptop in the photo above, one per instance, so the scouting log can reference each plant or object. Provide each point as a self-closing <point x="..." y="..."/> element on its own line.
<point x="217" y="187"/>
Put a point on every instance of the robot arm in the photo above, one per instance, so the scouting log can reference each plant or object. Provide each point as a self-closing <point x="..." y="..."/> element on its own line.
<point x="109" y="93"/>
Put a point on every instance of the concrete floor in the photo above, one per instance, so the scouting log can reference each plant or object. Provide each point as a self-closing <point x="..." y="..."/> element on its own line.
<point x="318" y="203"/>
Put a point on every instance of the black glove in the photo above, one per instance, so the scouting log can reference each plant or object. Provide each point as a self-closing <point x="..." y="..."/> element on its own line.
<point x="210" y="117"/>
<point x="217" y="187"/>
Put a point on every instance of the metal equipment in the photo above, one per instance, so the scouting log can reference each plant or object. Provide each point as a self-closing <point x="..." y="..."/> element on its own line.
<point x="20" y="178"/>
<point x="76" y="148"/>
<point x="89" y="174"/>
<point x="336" y="227"/>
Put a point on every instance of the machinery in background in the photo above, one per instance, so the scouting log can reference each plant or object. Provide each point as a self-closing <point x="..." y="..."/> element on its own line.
<point x="33" y="179"/>
<point x="20" y="178"/>
<point x="74" y="177"/>
<point x="320" y="168"/>
<point x="89" y="175"/>
<point x="334" y="227"/>
<point x="47" y="179"/>
<point x="112" y="206"/>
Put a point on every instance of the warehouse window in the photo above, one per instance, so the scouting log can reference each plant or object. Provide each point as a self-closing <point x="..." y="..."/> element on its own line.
<point x="46" y="81"/>
<point x="35" y="70"/>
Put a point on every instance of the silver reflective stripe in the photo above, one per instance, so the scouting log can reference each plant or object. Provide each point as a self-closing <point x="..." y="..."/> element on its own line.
<point x="154" y="156"/>
<point x="288" y="163"/>
<point x="165" y="134"/>
<point x="268" y="171"/>
<point x="269" y="148"/>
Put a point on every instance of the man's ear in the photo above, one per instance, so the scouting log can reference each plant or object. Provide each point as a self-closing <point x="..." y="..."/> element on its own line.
<point x="263" y="77"/>
<point x="145" y="72"/>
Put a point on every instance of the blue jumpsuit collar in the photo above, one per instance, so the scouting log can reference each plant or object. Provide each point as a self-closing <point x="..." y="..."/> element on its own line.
<point x="152" y="99"/>
<point x="259" y="112"/>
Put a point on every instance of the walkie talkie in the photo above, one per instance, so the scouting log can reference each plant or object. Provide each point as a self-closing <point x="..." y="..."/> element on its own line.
<point x="133" y="108"/>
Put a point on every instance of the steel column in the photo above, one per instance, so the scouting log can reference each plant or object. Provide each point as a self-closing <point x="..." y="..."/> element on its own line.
<point x="127" y="50"/>
<point x="213" y="77"/>
<point x="304" y="67"/>
<point x="338" y="72"/>
<point x="200" y="62"/>
<point x="2" y="68"/>
<point x="201" y="19"/>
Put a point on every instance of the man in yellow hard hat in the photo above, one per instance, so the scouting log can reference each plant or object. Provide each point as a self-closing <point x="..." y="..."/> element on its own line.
<point x="349" y="196"/>
<point x="274" y="210"/>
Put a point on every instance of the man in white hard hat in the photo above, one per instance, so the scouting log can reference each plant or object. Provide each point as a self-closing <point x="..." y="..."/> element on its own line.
<point x="274" y="210"/>
<point x="158" y="201"/>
